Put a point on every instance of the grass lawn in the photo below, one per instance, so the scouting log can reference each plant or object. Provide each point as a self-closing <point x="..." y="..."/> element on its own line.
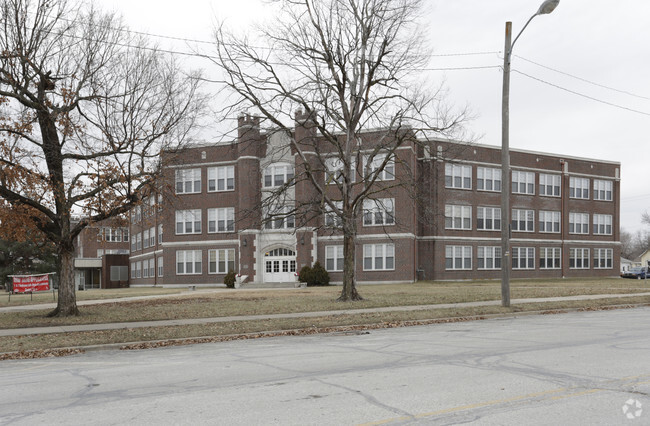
<point x="118" y="293"/>
<point x="254" y="302"/>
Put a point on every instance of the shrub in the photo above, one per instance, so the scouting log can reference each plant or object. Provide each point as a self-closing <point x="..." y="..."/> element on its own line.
<point x="318" y="276"/>
<point x="229" y="279"/>
<point x="305" y="274"/>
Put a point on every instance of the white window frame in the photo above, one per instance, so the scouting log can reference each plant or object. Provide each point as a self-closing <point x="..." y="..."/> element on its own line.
<point x="550" y="185"/>
<point x="488" y="179"/>
<point x="583" y="257"/>
<point x="458" y="258"/>
<point x="332" y="220"/>
<point x="603" y="190"/>
<point x="160" y="266"/>
<point x="550" y="256"/>
<point x="284" y="220"/>
<point x="138" y="269"/>
<point x="152" y="236"/>
<point x="277" y="174"/>
<point x="603" y="258"/>
<point x="379" y="212"/>
<point x="133" y="270"/>
<point x="334" y="258"/>
<point x="488" y="218"/>
<point x="189" y="180"/>
<point x="145" y="239"/>
<point x="138" y="244"/>
<point x="603" y="224"/>
<point x="525" y="254"/>
<point x="221" y="220"/>
<point x="488" y="258"/>
<point x="523" y="182"/>
<point x="189" y="257"/>
<point x="219" y="260"/>
<point x="578" y="223"/>
<point x="334" y="170"/>
<point x="387" y="173"/>
<point x="458" y="176"/>
<point x="579" y="188"/>
<point x="160" y="234"/>
<point x="221" y="177"/>
<point x="529" y="220"/>
<point x="458" y="217"/>
<point x="193" y="217"/>
<point x="152" y="267"/>
<point x="373" y="252"/>
<point x="145" y="269"/>
<point x="549" y="219"/>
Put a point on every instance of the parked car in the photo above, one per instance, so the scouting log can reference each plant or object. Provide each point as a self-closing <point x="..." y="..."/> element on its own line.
<point x="639" y="273"/>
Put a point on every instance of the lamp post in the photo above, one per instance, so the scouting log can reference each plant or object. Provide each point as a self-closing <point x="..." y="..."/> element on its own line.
<point x="547" y="7"/>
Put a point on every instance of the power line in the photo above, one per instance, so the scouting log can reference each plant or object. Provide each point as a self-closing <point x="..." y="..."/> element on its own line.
<point x="582" y="79"/>
<point x="581" y="94"/>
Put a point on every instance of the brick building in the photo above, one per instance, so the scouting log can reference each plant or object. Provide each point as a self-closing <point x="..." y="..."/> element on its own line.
<point x="209" y="217"/>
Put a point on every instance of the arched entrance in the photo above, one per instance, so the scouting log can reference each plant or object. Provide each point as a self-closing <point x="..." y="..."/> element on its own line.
<point x="279" y="265"/>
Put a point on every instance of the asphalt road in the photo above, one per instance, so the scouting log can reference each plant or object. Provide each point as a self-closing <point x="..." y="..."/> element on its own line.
<point x="580" y="368"/>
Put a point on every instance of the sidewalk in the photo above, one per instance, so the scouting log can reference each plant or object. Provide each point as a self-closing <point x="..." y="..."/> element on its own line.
<point x="193" y="321"/>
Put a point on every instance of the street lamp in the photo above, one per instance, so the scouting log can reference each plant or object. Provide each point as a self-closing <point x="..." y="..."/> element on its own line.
<point x="547" y="7"/>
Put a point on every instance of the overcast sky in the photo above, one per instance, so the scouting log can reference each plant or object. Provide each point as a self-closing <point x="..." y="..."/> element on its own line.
<point x="597" y="49"/>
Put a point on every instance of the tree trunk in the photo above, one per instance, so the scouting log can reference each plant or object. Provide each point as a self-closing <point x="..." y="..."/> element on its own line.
<point x="67" y="304"/>
<point x="349" y="292"/>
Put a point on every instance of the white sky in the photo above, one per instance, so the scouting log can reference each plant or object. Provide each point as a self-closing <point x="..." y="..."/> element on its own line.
<point x="600" y="41"/>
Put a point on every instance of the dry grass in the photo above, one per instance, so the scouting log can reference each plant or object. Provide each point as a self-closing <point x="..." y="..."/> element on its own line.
<point x="47" y="297"/>
<point x="259" y="302"/>
<point x="325" y="323"/>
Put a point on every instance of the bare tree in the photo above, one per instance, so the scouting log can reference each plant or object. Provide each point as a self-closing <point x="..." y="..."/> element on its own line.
<point x="85" y="109"/>
<point x="349" y="67"/>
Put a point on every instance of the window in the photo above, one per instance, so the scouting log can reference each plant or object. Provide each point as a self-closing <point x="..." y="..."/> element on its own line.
<point x="458" y="258"/>
<point x="125" y="234"/>
<point x="334" y="258"/>
<point x="160" y="234"/>
<point x="188" y="221"/>
<point x="160" y="266"/>
<point x="550" y="258"/>
<point x="331" y="218"/>
<point x="280" y="218"/>
<point x="221" y="220"/>
<point x="137" y="216"/>
<point x="138" y="243"/>
<point x="145" y="238"/>
<point x="334" y="170"/>
<point x="523" y="258"/>
<point x="489" y="258"/>
<point x="113" y="235"/>
<point x="152" y="267"/>
<point x="378" y="257"/>
<point x="221" y="261"/>
<point x="188" y="181"/>
<point x="523" y="183"/>
<point x="458" y="217"/>
<point x="579" y="188"/>
<point x="488" y="218"/>
<point x="579" y="258"/>
<point x="603" y="190"/>
<point x="458" y="176"/>
<point x="488" y="179"/>
<point x="578" y="223"/>
<point x="603" y="259"/>
<point x="379" y="212"/>
<point x="523" y="220"/>
<point x="132" y="269"/>
<point x="138" y="269"/>
<point x="133" y="243"/>
<point x="145" y="269"/>
<point x="549" y="185"/>
<point x="119" y="273"/>
<point x="188" y="262"/>
<point x="549" y="221"/>
<point x="152" y="236"/>
<point x="221" y="178"/>
<point x="277" y="175"/>
<point x="374" y="165"/>
<point x="602" y="224"/>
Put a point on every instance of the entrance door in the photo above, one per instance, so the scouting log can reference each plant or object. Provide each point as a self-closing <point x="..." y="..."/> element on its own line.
<point x="279" y="265"/>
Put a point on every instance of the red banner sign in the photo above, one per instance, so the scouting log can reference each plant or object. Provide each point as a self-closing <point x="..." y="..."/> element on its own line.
<point x="31" y="283"/>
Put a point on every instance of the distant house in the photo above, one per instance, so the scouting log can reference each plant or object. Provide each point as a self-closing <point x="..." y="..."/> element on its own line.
<point x="643" y="259"/>
<point x="627" y="264"/>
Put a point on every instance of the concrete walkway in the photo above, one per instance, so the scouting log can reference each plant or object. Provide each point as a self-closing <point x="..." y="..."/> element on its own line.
<point x="193" y="321"/>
